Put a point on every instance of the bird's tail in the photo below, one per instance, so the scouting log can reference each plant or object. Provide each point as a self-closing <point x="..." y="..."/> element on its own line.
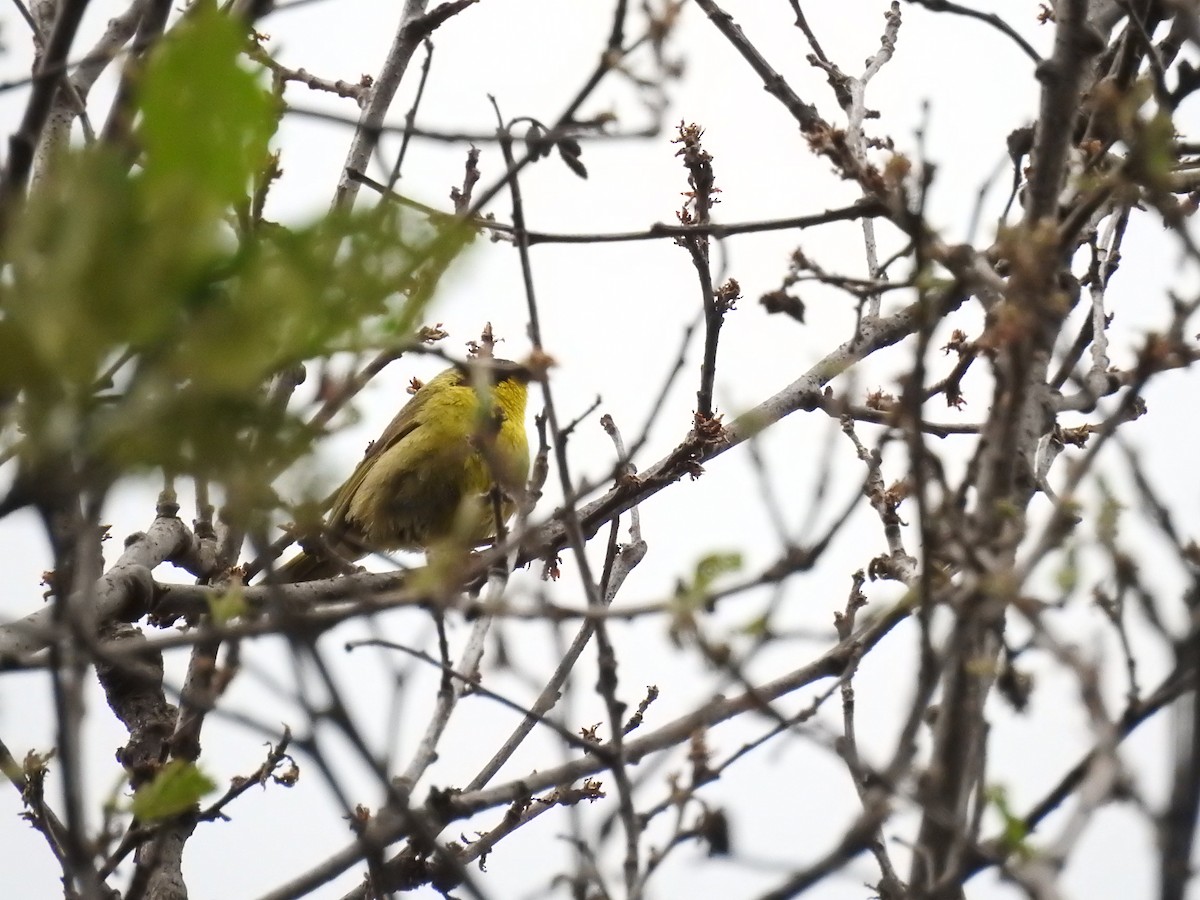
<point x="307" y="567"/>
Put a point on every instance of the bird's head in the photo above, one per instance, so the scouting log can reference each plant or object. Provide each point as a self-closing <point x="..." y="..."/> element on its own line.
<point x="507" y="381"/>
<point x="503" y="382"/>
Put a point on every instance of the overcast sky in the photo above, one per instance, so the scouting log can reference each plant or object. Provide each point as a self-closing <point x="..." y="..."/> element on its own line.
<point x="613" y="317"/>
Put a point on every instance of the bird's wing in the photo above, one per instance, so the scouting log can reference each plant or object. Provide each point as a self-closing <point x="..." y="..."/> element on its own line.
<point x="405" y="422"/>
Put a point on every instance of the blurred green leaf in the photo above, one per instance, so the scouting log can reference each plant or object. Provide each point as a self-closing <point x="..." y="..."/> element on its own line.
<point x="1066" y="577"/>
<point x="1109" y="519"/>
<point x="175" y="789"/>
<point x="714" y="565"/>
<point x="143" y="317"/>
<point x="1015" y="832"/>
<point x="1161" y="155"/>
<point x="228" y="606"/>
<point x="708" y="570"/>
<point x="86" y="272"/>
<point x="757" y="627"/>
<point x="98" y="274"/>
<point x="206" y="119"/>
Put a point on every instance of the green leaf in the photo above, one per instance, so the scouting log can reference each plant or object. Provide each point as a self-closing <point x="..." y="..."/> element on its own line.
<point x="1109" y="519"/>
<point x="206" y="120"/>
<point x="86" y="275"/>
<point x="713" y="566"/>
<point x="1015" y="832"/>
<point x="757" y="627"/>
<point x="175" y="789"/>
<point x="708" y="570"/>
<point x="145" y="269"/>
<point x="751" y="423"/>
<point x="228" y="606"/>
<point x="99" y="271"/>
<point x="1066" y="578"/>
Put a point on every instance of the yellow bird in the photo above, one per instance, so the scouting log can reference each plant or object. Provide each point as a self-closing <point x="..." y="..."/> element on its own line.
<point x="428" y="479"/>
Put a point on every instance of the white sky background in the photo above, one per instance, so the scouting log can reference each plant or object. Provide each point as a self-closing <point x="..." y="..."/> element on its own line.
<point x="613" y="316"/>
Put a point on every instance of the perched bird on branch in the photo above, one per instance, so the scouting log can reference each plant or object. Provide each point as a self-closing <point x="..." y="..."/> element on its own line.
<point x="448" y="470"/>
